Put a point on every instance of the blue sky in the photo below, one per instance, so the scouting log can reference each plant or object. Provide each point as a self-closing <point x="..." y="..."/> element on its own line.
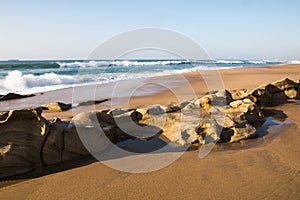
<point x="228" y="29"/>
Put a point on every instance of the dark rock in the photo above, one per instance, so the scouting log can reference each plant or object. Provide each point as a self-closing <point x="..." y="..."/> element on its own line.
<point x="260" y="96"/>
<point x="275" y="93"/>
<point x="172" y="108"/>
<point x="73" y="146"/>
<point x="21" y="134"/>
<point x="156" y="110"/>
<point x="93" y="102"/>
<point x="54" y="143"/>
<point x="282" y="85"/>
<point x="11" y="96"/>
<point x="82" y="141"/>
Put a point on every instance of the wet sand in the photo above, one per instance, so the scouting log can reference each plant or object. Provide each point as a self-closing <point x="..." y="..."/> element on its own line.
<point x="270" y="170"/>
<point x="153" y="88"/>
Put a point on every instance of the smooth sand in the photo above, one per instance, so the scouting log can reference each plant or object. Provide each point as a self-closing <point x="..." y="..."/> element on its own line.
<point x="267" y="171"/>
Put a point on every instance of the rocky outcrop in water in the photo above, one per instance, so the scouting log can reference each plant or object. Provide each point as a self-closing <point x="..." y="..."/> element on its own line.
<point x="92" y="102"/>
<point x="11" y="96"/>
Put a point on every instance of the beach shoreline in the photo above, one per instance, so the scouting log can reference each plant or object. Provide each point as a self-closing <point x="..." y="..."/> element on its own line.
<point x="233" y="79"/>
<point x="238" y="172"/>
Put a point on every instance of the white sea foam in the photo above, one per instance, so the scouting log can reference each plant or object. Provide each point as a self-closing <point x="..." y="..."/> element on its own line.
<point x="14" y="80"/>
<point x="125" y="63"/>
<point x="229" y="61"/>
<point x="147" y="63"/>
<point x="17" y="81"/>
<point x="83" y="64"/>
<point x="295" y="62"/>
<point x="257" y="62"/>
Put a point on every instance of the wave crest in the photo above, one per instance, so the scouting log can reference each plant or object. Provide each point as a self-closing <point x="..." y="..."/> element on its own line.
<point x="17" y="81"/>
<point x="229" y="62"/>
<point x="295" y="62"/>
<point x="124" y="63"/>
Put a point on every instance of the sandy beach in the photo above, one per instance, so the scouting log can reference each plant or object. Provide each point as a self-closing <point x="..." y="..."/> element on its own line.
<point x="150" y="100"/>
<point x="267" y="168"/>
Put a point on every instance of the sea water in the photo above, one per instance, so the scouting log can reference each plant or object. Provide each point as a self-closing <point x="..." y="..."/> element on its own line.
<point x="39" y="76"/>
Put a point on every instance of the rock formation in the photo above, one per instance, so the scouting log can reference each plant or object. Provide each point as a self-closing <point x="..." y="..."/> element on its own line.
<point x="28" y="141"/>
<point x="11" y="96"/>
<point x="92" y="102"/>
<point x="21" y="137"/>
<point x="56" y="106"/>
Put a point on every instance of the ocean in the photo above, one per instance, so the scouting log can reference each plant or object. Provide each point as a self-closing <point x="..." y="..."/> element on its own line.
<point x="39" y="76"/>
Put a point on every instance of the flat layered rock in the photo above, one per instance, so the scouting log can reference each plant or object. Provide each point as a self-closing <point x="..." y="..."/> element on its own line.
<point x="28" y="141"/>
<point x="217" y="98"/>
<point x="56" y="106"/>
<point x="275" y="93"/>
<point x="92" y="102"/>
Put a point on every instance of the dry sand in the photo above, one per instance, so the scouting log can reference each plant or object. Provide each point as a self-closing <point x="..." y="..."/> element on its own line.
<point x="270" y="170"/>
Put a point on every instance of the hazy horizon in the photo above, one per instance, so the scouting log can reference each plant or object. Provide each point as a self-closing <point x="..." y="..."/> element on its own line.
<point x="141" y="59"/>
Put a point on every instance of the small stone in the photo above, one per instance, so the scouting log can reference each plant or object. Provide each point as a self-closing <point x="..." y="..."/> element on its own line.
<point x="156" y="110"/>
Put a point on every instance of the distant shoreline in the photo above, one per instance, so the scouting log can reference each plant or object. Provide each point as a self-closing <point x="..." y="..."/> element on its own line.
<point x="233" y="79"/>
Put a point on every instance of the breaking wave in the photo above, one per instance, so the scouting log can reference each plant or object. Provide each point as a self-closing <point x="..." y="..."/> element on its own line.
<point x="229" y="62"/>
<point x="17" y="81"/>
<point x="295" y="62"/>
<point x="38" y="76"/>
<point x="121" y="63"/>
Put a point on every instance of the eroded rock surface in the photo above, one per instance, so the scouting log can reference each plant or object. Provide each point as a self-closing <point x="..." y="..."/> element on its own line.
<point x="271" y="94"/>
<point x="56" y="106"/>
<point x="21" y="138"/>
<point x="28" y="141"/>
